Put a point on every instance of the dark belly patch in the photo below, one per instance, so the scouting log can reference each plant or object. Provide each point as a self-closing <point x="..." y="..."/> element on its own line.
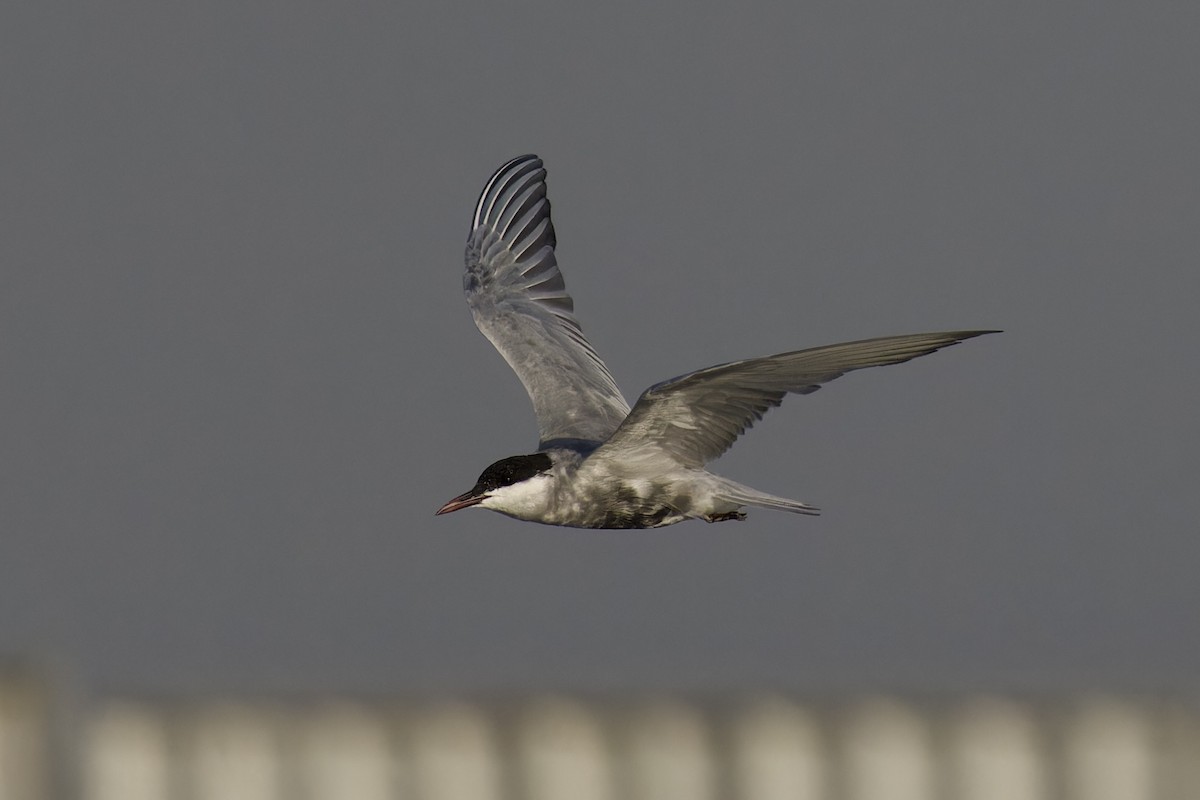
<point x="627" y="509"/>
<point x="635" y="517"/>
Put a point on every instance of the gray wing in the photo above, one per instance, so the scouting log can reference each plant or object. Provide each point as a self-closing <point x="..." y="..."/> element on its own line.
<point x="520" y="303"/>
<point x="696" y="417"/>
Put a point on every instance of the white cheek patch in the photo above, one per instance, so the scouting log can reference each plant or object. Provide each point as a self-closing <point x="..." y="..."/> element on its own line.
<point x="526" y="497"/>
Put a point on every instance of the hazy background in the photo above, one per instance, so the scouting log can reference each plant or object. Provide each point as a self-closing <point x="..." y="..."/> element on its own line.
<point x="237" y="374"/>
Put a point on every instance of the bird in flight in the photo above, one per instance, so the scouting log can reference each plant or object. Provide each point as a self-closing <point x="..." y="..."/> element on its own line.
<point x="600" y="464"/>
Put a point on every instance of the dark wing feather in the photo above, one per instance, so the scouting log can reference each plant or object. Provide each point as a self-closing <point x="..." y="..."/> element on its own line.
<point x="695" y="418"/>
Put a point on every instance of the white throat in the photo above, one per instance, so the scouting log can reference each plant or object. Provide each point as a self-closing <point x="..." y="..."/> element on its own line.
<point x="529" y="499"/>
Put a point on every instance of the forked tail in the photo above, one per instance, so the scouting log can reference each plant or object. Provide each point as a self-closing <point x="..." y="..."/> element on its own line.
<point x="744" y="495"/>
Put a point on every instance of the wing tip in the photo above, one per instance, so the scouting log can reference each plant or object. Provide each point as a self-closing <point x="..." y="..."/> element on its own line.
<point x="500" y="178"/>
<point x="958" y="337"/>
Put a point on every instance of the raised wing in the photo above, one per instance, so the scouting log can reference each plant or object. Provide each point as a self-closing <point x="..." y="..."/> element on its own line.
<point x="520" y="303"/>
<point x="696" y="417"/>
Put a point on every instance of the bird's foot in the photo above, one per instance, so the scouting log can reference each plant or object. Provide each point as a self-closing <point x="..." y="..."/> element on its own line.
<point x="737" y="515"/>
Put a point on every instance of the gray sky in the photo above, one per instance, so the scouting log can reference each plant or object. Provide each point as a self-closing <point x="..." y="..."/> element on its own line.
<point x="239" y="375"/>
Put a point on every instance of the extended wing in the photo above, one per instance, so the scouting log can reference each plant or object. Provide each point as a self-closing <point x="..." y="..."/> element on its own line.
<point x="520" y="303"/>
<point x="696" y="417"/>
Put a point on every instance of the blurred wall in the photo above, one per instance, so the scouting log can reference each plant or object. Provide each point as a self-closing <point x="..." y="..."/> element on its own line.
<point x="641" y="747"/>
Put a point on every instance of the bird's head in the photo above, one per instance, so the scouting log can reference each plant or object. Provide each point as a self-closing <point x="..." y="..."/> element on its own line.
<point x="508" y="486"/>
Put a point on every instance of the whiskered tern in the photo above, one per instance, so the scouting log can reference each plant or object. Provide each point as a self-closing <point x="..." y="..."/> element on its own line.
<point x="600" y="464"/>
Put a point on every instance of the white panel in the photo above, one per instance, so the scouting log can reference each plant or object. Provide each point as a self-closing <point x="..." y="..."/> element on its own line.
<point x="345" y="752"/>
<point x="996" y="753"/>
<point x="1108" y="753"/>
<point x="669" y="754"/>
<point x="454" y="755"/>
<point x="126" y="754"/>
<point x="887" y="753"/>
<point x="234" y="754"/>
<point x="778" y="753"/>
<point x="563" y="752"/>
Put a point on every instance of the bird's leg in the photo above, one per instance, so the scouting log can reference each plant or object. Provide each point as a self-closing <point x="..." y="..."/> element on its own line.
<point x="737" y="515"/>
